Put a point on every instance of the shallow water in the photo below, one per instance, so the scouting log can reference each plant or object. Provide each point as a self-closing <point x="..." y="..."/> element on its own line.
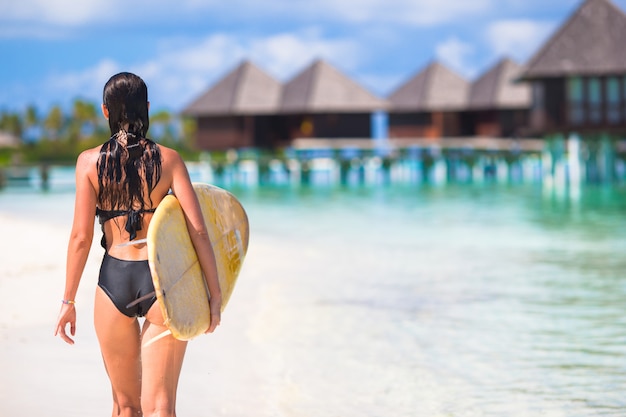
<point x="454" y="301"/>
<point x="486" y="300"/>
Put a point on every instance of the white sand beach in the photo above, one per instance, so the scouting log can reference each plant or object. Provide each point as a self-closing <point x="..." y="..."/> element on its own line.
<point x="278" y="352"/>
<point x="43" y="376"/>
<point x="441" y="303"/>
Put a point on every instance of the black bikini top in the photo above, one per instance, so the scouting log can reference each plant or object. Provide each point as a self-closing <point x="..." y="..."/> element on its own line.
<point x="133" y="222"/>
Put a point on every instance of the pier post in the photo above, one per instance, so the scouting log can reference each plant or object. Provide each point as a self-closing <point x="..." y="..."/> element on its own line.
<point x="44" y="172"/>
<point x="478" y="170"/>
<point x="294" y="171"/>
<point x="606" y="158"/>
<point x="574" y="166"/>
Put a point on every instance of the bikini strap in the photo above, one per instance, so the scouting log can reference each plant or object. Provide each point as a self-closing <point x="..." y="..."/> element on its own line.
<point x="133" y="221"/>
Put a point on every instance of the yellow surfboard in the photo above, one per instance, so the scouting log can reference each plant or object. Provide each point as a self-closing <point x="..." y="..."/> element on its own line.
<point x="178" y="280"/>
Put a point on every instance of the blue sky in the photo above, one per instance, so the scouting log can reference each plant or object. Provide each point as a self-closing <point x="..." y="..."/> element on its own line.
<point x="53" y="51"/>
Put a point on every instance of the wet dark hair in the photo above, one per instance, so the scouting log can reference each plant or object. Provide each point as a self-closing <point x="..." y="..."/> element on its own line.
<point x="128" y="161"/>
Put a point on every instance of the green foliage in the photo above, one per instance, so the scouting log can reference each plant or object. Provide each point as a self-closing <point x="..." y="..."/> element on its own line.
<point x="58" y="152"/>
<point x="6" y="156"/>
<point x="53" y="123"/>
<point x="189" y="127"/>
<point x="63" y="136"/>
<point x="11" y="123"/>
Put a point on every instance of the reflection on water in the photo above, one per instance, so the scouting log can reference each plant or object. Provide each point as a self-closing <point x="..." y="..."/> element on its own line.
<point x="436" y="301"/>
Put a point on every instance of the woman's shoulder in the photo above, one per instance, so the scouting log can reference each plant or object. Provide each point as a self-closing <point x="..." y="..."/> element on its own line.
<point x="88" y="156"/>
<point x="169" y="155"/>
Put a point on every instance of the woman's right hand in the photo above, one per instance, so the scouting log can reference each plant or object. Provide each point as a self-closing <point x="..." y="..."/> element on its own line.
<point x="67" y="315"/>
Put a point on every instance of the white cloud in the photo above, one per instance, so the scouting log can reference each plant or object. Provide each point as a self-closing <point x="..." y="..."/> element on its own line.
<point x="59" y="12"/>
<point x="87" y="84"/>
<point x="417" y="12"/>
<point x="413" y="12"/>
<point x="517" y="38"/>
<point x="32" y="31"/>
<point x="72" y="13"/>
<point x="455" y="53"/>
<point x="184" y="73"/>
<point x="86" y="12"/>
<point x="283" y="54"/>
<point x="182" y="70"/>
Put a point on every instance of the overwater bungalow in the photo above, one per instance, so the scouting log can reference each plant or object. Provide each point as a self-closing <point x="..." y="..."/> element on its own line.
<point x="578" y="77"/>
<point x="239" y="111"/>
<point x="498" y="105"/>
<point x="249" y="108"/>
<point x="322" y="102"/>
<point x="429" y="105"/>
<point x="438" y="103"/>
<point x="574" y="85"/>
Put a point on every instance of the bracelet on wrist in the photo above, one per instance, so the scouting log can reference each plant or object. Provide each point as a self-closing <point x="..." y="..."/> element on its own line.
<point x="68" y="301"/>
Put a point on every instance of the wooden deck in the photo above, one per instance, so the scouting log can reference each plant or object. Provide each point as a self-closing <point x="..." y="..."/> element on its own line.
<point x="461" y="143"/>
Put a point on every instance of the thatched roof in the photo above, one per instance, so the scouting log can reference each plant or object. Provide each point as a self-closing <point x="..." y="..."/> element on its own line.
<point x="322" y="88"/>
<point x="497" y="88"/>
<point x="245" y="90"/>
<point x="434" y="88"/>
<point x="591" y="42"/>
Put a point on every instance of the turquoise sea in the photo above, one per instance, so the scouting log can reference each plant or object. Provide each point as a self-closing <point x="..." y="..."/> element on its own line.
<point x="453" y="300"/>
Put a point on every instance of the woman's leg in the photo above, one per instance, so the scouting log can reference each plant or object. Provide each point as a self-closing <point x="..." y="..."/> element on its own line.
<point x="161" y="361"/>
<point x="120" y="345"/>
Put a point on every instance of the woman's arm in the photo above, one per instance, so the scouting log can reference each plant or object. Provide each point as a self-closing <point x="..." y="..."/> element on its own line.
<point x="79" y="243"/>
<point x="183" y="190"/>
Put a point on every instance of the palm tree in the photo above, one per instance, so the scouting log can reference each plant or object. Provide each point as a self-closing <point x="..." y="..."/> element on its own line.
<point x="12" y="123"/>
<point x="161" y="123"/>
<point x="83" y="121"/>
<point x="31" y="117"/>
<point x="53" y="123"/>
<point x="31" y="123"/>
<point x="189" y="127"/>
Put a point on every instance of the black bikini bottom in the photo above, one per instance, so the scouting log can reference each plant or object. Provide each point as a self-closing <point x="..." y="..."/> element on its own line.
<point x="128" y="284"/>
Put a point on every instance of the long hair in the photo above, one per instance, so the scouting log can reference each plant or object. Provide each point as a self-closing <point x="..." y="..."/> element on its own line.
<point x="128" y="161"/>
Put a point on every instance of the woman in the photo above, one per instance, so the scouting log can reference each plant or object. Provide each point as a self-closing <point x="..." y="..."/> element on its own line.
<point x="122" y="182"/>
